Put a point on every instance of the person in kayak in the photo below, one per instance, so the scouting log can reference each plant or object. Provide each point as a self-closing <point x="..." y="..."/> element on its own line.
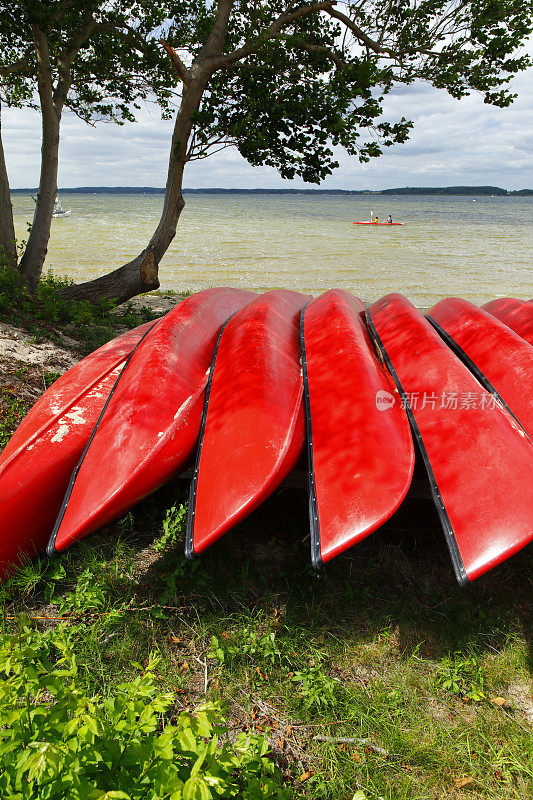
<point x="375" y="220"/>
<point x="389" y="219"/>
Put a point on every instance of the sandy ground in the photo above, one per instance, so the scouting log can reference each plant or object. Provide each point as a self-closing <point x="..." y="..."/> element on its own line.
<point x="18" y="345"/>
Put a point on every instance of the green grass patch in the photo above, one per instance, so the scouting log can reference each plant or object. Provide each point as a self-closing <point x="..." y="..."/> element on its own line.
<point x="360" y="681"/>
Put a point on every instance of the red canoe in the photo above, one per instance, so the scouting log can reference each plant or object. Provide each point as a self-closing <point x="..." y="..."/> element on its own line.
<point x="380" y="223"/>
<point x="253" y="426"/>
<point x="479" y="460"/>
<point x="37" y="462"/>
<point x="516" y="314"/>
<point x="501" y="355"/>
<point x="150" y="425"/>
<point x="360" y="448"/>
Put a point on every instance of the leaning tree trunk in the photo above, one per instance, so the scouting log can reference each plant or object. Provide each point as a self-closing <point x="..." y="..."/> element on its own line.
<point x="8" y="247"/>
<point x="142" y="274"/>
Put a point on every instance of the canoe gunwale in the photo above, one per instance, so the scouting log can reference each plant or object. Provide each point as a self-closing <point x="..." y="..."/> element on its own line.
<point x="50" y="547"/>
<point x="190" y="553"/>
<point x="314" y="523"/>
<point x="480" y="376"/>
<point x="449" y="534"/>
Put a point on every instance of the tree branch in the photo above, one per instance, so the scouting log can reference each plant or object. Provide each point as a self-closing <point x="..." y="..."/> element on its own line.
<point x="65" y="60"/>
<point x="44" y="71"/>
<point x="183" y="73"/>
<point x="376" y="47"/>
<point x="215" y="41"/>
<point x="18" y="65"/>
<point x="129" y="35"/>
<point x="269" y="33"/>
<point x="316" y="48"/>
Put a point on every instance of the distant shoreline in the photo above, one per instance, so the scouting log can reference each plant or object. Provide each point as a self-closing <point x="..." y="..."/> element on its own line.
<point x="480" y="191"/>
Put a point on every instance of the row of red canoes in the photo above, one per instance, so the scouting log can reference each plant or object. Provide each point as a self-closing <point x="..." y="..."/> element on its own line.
<point x="245" y="380"/>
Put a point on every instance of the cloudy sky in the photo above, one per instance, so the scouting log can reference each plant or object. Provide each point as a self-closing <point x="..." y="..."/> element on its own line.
<point x="453" y="143"/>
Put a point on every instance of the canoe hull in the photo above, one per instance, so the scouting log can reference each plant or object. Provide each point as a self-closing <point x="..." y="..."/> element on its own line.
<point x="37" y="462"/>
<point x="516" y="314"/>
<point x="253" y="427"/>
<point x="360" y="449"/>
<point x="150" y="426"/>
<point x="501" y="355"/>
<point x="479" y="460"/>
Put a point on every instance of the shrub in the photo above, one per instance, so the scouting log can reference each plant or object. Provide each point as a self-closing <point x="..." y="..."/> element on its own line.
<point x="56" y="742"/>
<point x="93" y="323"/>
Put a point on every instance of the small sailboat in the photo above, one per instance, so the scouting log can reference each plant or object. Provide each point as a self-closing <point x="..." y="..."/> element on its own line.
<point x="58" y="210"/>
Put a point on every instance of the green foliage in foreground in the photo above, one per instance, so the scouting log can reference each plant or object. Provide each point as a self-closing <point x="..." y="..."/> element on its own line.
<point x="58" y="742"/>
<point x="93" y="323"/>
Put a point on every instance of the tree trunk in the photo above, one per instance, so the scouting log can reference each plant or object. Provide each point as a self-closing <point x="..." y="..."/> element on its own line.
<point x="142" y="274"/>
<point x="8" y="248"/>
<point x="31" y="263"/>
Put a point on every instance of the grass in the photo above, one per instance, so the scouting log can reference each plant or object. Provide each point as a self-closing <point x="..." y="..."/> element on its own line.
<point x="379" y="679"/>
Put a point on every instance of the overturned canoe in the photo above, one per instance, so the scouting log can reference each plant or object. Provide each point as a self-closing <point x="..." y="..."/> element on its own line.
<point x="37" y="462"/>
<point x="253" y="424"/>
<point x="360" y="448"/>
<point x="499" y="355"/>
<point x="150" y="425"/>
<point x="516" y="314"/>
<point x="479" y="460"/>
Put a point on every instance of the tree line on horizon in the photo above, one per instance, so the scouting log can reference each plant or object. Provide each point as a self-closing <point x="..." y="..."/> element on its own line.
<point x="283" y="82"/>
<point x="406" y="190"/>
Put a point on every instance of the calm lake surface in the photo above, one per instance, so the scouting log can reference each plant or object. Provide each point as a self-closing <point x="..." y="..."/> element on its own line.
<point x="449" y="245"/>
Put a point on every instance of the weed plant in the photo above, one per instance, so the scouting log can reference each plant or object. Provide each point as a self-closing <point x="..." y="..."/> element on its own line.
<point x="49" y="314"/>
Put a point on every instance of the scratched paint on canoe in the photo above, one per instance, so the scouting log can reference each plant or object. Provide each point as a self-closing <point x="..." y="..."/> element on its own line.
<point x="36" y="464"/>
<point x="141" y="439"/>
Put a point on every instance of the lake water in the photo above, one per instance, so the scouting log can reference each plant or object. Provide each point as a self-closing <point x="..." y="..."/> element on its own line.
<point x="449" y="245"/>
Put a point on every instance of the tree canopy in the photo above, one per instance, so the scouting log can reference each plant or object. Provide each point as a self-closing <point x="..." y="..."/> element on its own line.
<point x="101" y="58"/>
<point x="295" y="78"/>
<point x="284" y="82"/>
<point x="97" y="59"/>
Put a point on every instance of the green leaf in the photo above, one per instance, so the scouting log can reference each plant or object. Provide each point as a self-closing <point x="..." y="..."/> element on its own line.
<point x="196" y="789"/>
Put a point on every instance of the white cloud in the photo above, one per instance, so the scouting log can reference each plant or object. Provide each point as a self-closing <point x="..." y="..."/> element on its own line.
<point x="453" y="142"/>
